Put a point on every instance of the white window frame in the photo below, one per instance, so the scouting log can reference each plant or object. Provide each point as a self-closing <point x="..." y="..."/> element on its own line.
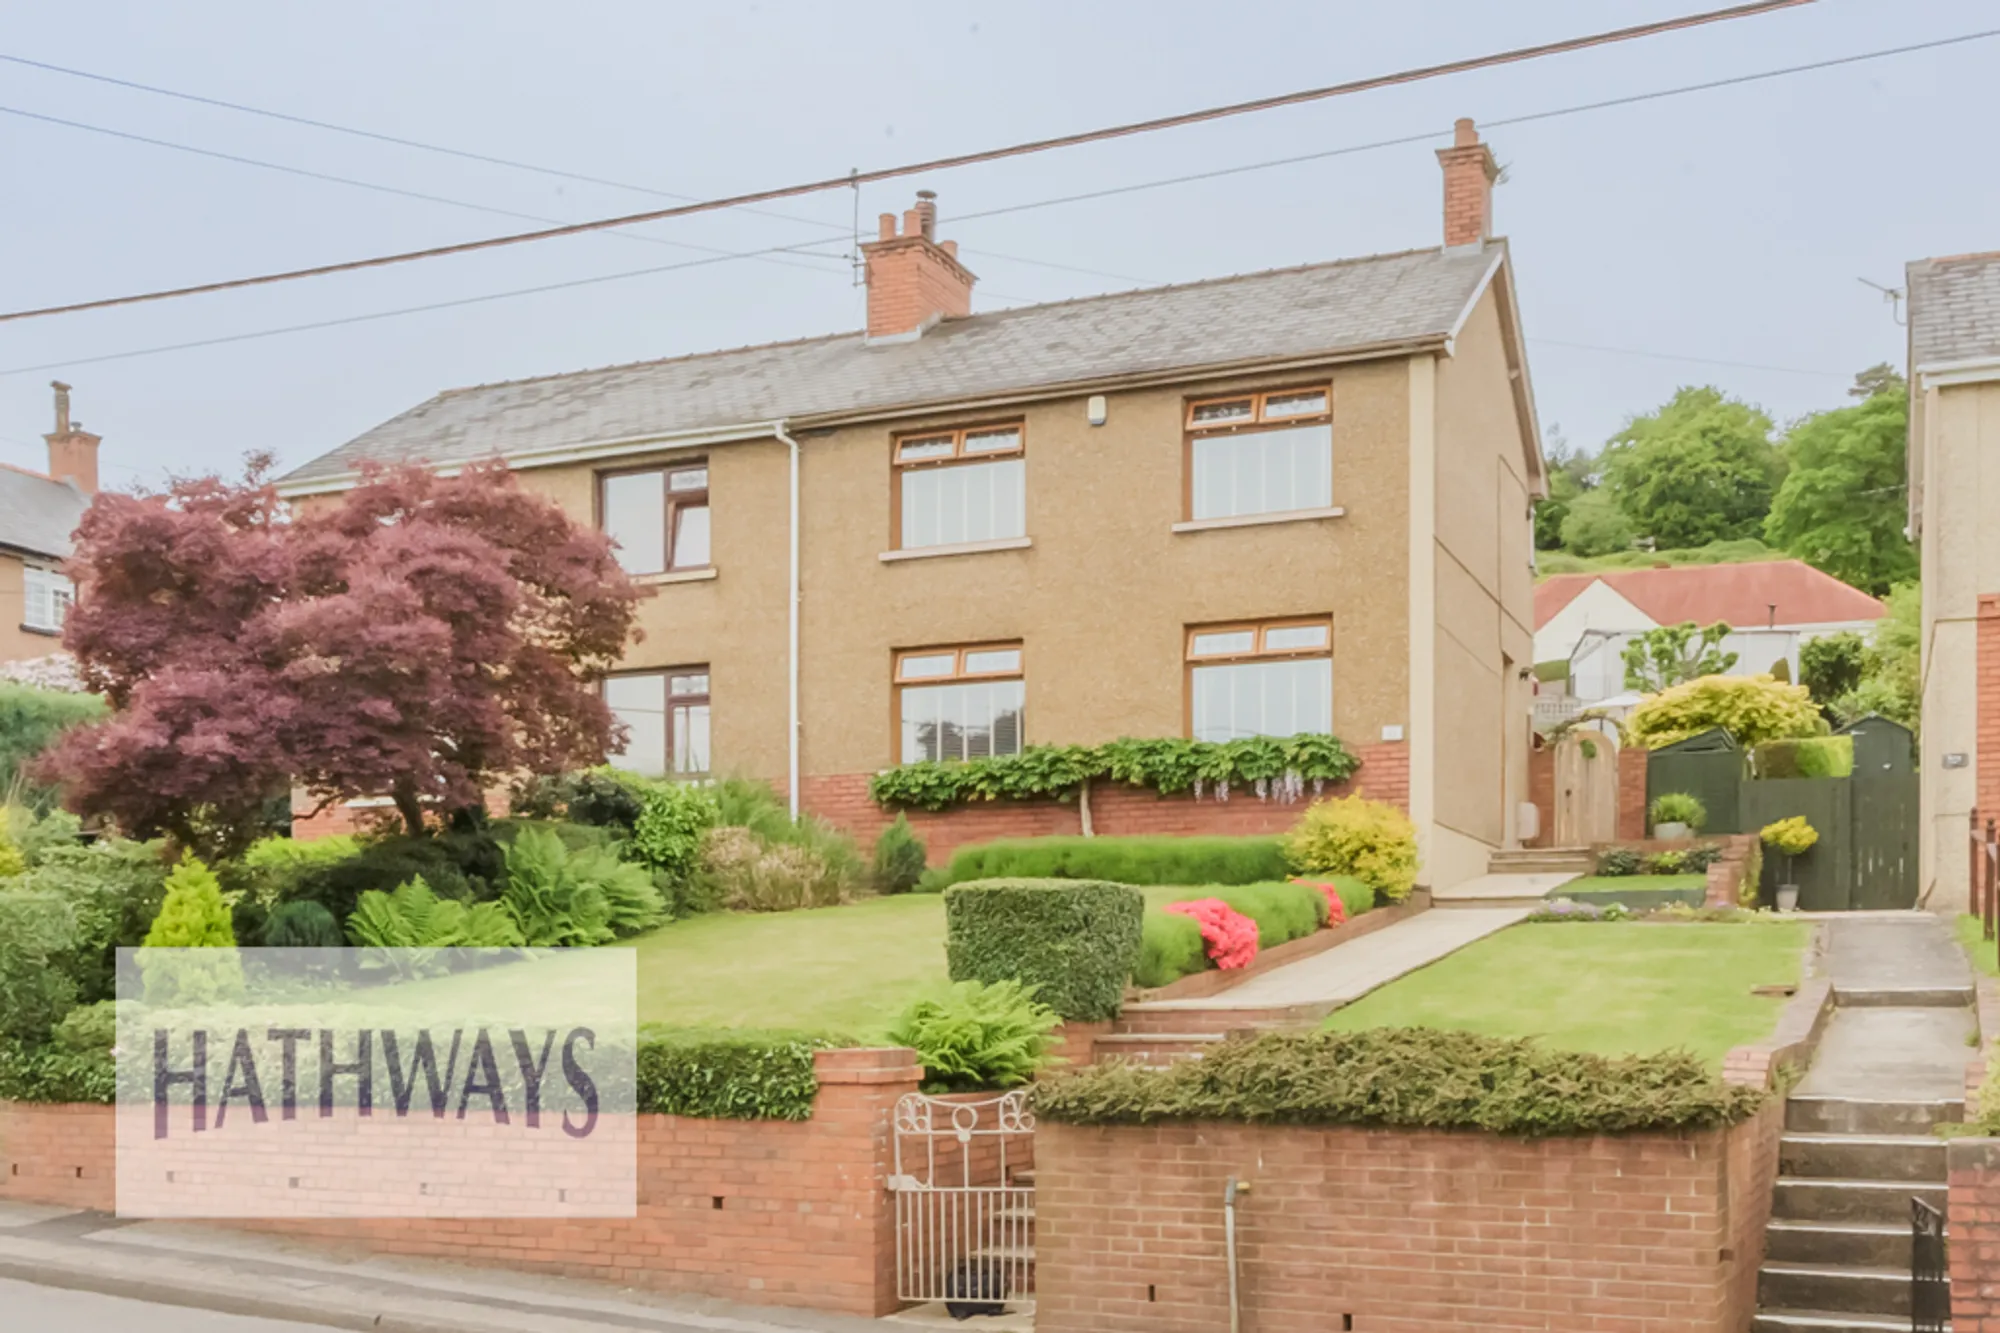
<point x="46" y="597"/>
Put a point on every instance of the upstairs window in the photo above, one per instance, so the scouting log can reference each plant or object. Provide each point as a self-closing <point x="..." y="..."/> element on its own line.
<point x="959" y="703"/>
<point x="1260" y="453"/>
<point x="956" y="487"/>
<point x="666" y="717"/>
<point x="48" y="597"/>
<point x="1268" y="678"/>
<point x="658" y="517"/>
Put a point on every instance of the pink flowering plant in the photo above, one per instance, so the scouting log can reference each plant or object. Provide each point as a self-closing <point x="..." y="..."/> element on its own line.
<point x="1229" y="936"/>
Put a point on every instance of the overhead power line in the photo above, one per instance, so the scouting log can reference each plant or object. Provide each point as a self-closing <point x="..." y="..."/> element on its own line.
<point x="858" y="178"/>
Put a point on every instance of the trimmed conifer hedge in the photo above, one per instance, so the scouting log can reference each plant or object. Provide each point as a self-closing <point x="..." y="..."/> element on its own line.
<point x="1074" y="941"/>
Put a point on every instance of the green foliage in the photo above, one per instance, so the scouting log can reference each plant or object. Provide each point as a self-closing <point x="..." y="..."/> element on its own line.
<point x="728" y="1075"/>
<point x="1753" y="709"/>
<point x="553" y="904"/>
<point x="1842" y="507"/>
<point x="1617" y="862"/>
<point x="115" y="888"/>
<point x="271" y="869"/>
<point x="1813" y="757"/>
<point x="1832" y="665"/>
<point x="979" y="1035"/>
<point x="1878" y="378"/>
<point x="1740" y="551"/>
<point x="1414" y="1077"/>
<point x="604" y="797"/>
<point x="1748" y="888"/>
<point x="741" y="871"/>
<point x="12" y="861"/>
<point x="1892" y="679"/>
<point x="1700" y="469"/>
<point x="37" y="932"/>
<point x="666" y="836"/>
<point x="1283" y="911"/>
<point x="1792" y="837"/>
<point x="900" y="859"/>
<point x="1352" y="835"/>
<point x="1170" y="947"/>
<point x="1678" y="807"/>
<point x="301" y="925"/>
<point x="1154" y="859"/>
<point x="1671" y="654"/>
<point x="413" y="917"/>
<point x="53" y="1076"/>
<point x="1266" y="764"/>
<point x="193" y="915"/>
<point x="89" y="1029"/>
<point x="1075" y="941"/>
<point x="1594" y="525"/>
<point x="1569" y="473"/>
<point x="30" y="720"/>
<point x="38" y="837"/>
<point x="465" y="866"/>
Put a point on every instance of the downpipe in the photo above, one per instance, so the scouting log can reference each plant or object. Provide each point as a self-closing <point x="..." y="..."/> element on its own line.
<point x="1230" y="1193"/>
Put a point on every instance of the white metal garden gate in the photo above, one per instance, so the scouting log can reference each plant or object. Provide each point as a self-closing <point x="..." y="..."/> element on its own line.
<point x="965" y="1200"/>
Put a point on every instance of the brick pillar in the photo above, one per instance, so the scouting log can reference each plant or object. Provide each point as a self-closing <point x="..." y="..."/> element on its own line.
<point x="1542" y="794"/>
<point x="1973" y="1214"/>
<point x="1632" y="792"/>
<point x="858" y="1092"/>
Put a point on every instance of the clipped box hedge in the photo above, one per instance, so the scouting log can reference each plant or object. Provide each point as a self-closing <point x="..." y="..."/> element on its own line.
<point x="1075" y="941"/>
<point x="1409" y="1077"/>
<point x="1149" y="859"/>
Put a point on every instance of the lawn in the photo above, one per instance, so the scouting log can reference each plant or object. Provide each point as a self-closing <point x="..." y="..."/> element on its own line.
<point x="1981" y="951"/>
<point x="1629" y="884"/>
<point x="1613" y="988"/>
<point x="848" y="970"/>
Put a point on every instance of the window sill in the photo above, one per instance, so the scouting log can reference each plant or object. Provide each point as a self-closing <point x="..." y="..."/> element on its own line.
<point x="46" y="631"/>
<point x="675" y="576"/>
<point x="961" y="548"/>
<point x="1259" y="520"/>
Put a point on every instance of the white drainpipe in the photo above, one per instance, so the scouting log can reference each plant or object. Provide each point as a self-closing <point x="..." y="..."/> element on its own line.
<point x="792" y="629"/>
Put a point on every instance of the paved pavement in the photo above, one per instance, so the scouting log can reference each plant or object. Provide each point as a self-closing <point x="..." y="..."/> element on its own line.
<point x="1876" y="1048"/>
<point x="1349" y="971"/>
<point x="33" y="1307"/>
<point x="1505" y="888"/>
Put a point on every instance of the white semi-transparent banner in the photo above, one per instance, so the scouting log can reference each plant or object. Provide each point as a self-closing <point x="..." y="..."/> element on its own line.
<point x="377" y="1083"/>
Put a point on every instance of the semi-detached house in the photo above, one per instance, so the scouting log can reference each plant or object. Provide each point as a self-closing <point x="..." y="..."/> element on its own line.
<point x="1291" y="501"/>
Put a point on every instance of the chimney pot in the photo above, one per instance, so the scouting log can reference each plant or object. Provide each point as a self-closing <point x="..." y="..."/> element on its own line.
<point x="912" y="225"/>
<point x="885" y="227"/>
<point x="913" y="280"/>
<point x="72" y="449"/>
<point x="1463" y="133"/>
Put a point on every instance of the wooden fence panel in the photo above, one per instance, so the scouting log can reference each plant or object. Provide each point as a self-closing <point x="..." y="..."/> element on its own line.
<point x="1825" y="875"/>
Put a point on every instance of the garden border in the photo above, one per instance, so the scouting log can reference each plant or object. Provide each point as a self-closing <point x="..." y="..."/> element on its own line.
<point x="1213" y="981"/>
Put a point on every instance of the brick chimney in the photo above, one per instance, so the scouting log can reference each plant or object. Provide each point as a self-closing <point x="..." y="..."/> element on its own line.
<point x="1469" y="172"/>
<point x="913" y="279"/>
<point x="72" y="449"/>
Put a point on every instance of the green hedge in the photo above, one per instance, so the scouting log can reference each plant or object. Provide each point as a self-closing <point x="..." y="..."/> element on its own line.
<point x="728" y="1074"/>
<point x="30" y="721"/>
<point x="1133" y="860"/>
<point x="50" y="1074"/>
<point x="1075" y="941"/>
<point x="1407" y="1077"/>
<point x="1170" y="944"/>
<point x="1170" y="947"/>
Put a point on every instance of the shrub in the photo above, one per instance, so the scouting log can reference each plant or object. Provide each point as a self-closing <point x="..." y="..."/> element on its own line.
<point x="1346" y="897"/>
<point x="549" y="901"/>
<point x="1170" y="947"/>
<point x="301" y="925"/>
<point x="728" y="1075"/>
<point x="604" y="797"/>
<point x="1678" y="807"/>
<point x="1620" y="861"/>
<point x="742" y="872"/>
<point x="1811" y="757"/>
<point x="831" y="868"/>
<point x="270" y="869"/>
<point x="12" y="862"/>
<point x="115" y="888"/>
<point x="90" y="1029"/>
<point x="1413" y="1077"/>
<point x="383" y="863"/>
<point x="413" y="917"/>
<point x="37" y="837"/>
<point x="48" y="1074"/>
<point x="1753" y="709"/>
<point x="979" y="1035"/>
<point x="1131" y="860"/>
<point x="1697" y="860"/>
<point x="1793" y="837"/>
<point x="900" y="860"/>
<point x="1751" y="886"/>
<point x="1667" y="863"/>
<point x="1075" y="941"/>
<point x="193" y="915"/>
<point x="30" y="721"/>
<point x="667" y="834"/>
<point x="1352" y="835"/>
<point x="1228" y="937"/>
<point x="37" y="930"/>
<point x="1282" y="909"/>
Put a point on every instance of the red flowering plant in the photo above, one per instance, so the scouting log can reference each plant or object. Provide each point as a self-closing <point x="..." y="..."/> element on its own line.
<point x="1336" y="910"/>
<point x="1229" y="936"/>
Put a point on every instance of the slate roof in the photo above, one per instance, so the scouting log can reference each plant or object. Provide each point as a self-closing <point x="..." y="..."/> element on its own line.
<point x="1954" y="309"/>
<point x="37" y="513"/>
<point x="1742" y="595"/>
<point x="1282" y="314"/>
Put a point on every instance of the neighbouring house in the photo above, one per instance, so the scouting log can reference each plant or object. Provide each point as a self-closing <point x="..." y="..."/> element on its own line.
<point x="1772" y="607"/>
<point x="1954" y="332"/>
<point x="38" y="512"/>
<point x="1290" y="501"/>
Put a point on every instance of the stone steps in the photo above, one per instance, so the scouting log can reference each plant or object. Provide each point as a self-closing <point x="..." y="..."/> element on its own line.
<point x="1847" y="1290"/>
<point x="1861" y="1244"/>
<point x="1849" y="1115"/>
<point x="1541" y="860"/>
<point x="1862" y="1157"/>
<point x="1882" y="1202"/>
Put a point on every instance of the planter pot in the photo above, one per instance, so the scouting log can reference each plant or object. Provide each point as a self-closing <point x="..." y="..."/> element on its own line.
<point x="1788" y="897"/>
<point x="1672" y="832"/>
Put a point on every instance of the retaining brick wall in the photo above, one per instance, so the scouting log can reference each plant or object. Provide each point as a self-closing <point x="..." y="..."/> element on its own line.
<point x="805" y="1219"/>
<point x="1632" y="792"/>
<point x="1972" y="1211"/>
<point x="1407" y="1231"/>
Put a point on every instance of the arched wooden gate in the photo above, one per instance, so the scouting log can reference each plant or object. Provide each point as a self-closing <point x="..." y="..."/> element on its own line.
<point x="1586" y="788"/>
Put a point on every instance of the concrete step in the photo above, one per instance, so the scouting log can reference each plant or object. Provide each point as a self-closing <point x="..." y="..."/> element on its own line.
<point x="1156" y="1048"/>
<point x="1909" y="997"/>
<point x="1848" y="1115"/>
<point x="1461" y="904"/>
<point x="1873" y="1291"/>
<point x="1838" y="1244"/>
<point x="1863" y="1156"/>
<point x="1181" y="1016"/>
<point x="1887" y="1203"/>
<point x="1822" y="1321"/>
<point x="1532" y="860"/>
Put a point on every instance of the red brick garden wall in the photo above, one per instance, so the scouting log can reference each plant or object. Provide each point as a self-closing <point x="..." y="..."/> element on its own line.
<point x="1972" y="1211"/>
<point x="805" y="1216"/>
<point x="1632" y="792"/>
<point x="1405" y="1231"/>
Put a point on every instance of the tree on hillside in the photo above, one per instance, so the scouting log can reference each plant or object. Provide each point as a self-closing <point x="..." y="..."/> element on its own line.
<point x="1832" y="665"/>
<point x="1842" y="507"/>
<point x="1595" y="525"/>
<point x="1671" y="654"/>
<point x="420" y="638"/>
<point x="1570" y="475"/>
<point x="1700" y="469"/>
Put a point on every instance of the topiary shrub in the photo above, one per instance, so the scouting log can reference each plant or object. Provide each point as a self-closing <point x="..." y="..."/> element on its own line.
<point x="1075" y="941"/>
<point x="1352" y="835"/>
<point x="978" y="1035"/>
<point x="900" y="860"/>
<point x="1127" y="860"/>
<point x="1753" y="709"/>
<point x="729" y="1075"/>
<point x="193" y="915"/>
<point x="301" y="925"/>
<point x="1227" y="936"/>
<point x="1170" y="947"/>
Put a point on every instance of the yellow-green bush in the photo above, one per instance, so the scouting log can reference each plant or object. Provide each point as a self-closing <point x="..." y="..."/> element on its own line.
<point x="1352" y="835"/>
<point x="1793" y="837"/>
<point x="1753" y="709"/>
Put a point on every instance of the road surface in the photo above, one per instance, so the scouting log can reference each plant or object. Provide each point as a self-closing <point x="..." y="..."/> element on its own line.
<point x="32" y="1307"/>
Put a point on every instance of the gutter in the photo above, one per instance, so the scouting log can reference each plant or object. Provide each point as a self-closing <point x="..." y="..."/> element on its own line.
<point x="791" y="623"/>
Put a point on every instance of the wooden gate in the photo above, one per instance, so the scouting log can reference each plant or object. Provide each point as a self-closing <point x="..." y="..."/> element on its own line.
<point x="1586" y="788"/>
<point x="1866" y="857"/>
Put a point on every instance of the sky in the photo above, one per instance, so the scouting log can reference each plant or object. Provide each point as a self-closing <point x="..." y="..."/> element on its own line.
<point x="1718" y="237"/>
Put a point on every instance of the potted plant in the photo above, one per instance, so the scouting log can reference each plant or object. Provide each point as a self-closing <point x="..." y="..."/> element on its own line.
<point x="1791" y="839"/>
<point x="1677" y="814"/>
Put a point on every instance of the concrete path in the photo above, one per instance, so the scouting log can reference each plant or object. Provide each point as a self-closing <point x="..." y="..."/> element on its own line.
<point x="1349" y="971"/>
<point x="1509" y="889"/>
<point x="1904" y="1019"/>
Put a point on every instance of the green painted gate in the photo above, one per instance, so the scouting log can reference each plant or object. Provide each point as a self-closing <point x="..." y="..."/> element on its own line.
<point x="1708" y="767"/>
<point x="1825" y="874"/>
<point x="1866" y="857"/>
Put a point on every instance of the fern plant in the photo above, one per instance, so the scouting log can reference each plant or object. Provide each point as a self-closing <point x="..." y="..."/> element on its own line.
<point x="551" y="904"/>
<point x="414" y="917"/>
<point x="979" y="1035"/>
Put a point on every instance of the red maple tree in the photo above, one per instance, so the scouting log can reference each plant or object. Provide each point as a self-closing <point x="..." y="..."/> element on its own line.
<point x="418" y="637"/>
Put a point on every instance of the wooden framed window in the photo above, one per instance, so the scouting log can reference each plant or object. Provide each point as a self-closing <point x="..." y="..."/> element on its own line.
<point x="954" y="487"/>
<point x="46" y="599"/>
<point x="666" y="716"/>
<point x="1259" y="453"/>
<point x="1260" y="678"/>
<point x="959" y="702"/>
<point x="658" y="516"/>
